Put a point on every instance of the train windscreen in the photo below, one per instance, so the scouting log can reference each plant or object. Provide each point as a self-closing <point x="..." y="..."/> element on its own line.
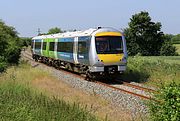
<point x="109" y="45"/>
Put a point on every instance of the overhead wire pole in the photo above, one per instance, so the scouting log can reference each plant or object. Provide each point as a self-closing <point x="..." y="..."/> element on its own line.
<point x="39" y="31"/>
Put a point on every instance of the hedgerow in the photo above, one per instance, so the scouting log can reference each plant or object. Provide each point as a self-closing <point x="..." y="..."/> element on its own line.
<point x="167" y="106"/>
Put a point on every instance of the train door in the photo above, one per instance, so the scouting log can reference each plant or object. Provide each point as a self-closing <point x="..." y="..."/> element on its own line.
<point x="51" y="48"/>
<point x="75" y="49"/>
<point x="83" y="49"/>
<point x="45" y="48"/>
<point x="55" y="49"/>
<point x="37" y="46"/>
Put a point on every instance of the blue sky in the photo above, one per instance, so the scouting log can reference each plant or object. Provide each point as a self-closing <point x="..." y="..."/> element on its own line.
<point x="29" y="15"/>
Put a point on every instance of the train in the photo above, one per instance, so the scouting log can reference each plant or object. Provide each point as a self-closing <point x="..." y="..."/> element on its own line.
<point x="94" y="52"/>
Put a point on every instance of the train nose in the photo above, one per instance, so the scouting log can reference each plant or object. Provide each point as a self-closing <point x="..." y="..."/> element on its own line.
<point x="110" y="58"/>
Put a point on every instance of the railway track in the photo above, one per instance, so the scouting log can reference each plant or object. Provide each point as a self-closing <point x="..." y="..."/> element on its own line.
<point x="126" y="91"/>
<point x="122" y="86"/>
<point x="137" y="86"/>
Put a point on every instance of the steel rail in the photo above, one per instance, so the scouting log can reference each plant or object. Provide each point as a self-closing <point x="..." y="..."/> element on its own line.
<point x="126" y="91"/>
<point x="136" y="86"/>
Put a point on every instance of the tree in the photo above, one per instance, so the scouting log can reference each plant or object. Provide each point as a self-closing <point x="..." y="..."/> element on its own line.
<point x="54" y="30"/>
<point x="9" y="46"/>
<point x="25" y="41"/>
<point x="133" y="47"/>
<point x="144" y="36"/>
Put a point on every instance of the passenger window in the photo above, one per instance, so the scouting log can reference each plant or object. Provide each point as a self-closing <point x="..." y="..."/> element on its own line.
<point x="65" y="47"/>
<point x="44" y="45"/>
<point x="51" y="46"/>
<point x="37" y="45"/>
<point x="82" y="48"/>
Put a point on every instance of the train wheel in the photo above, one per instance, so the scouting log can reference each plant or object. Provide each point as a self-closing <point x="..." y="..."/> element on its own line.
<point x="89" y="76"/>
<point x="36" y="58"/>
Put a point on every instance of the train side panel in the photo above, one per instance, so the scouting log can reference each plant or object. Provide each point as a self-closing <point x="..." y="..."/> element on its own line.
<point x="65" y="49"/>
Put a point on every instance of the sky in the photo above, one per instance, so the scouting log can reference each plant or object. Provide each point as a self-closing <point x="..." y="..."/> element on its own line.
<point x="29" y="15"/>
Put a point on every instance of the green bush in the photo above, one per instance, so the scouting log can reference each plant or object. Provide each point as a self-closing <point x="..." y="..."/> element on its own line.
<point x="25" y="41"/>
<point x="138" y="69"/>
<point x="10" y="46"/>
<point x="3" y="64"/>
<point x="168" y="49"/>
<point x="167" y="107"/>
<point x="13" y="53"/>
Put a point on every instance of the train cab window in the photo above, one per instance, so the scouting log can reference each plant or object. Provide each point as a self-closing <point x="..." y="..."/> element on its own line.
<point x="51" y="46"/>
<point x="65" y="47"/>
<point x="37" y="45"/>
<point x="109" y="44"/>
<point x="44" y="45"/>
<point x="102" y="46"/>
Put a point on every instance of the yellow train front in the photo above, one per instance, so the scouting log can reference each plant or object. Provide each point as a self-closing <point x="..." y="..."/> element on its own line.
<point x="107" y="53"/>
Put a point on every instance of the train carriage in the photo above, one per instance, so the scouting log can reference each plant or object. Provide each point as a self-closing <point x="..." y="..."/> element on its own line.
<point x="93" y="51"/>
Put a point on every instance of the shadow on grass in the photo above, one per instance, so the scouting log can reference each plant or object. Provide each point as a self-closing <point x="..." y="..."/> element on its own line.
<point x="135" y="76"/>
<point x="128" y="76"/>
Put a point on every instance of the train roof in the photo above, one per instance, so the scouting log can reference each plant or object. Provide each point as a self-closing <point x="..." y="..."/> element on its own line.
<point x="87" y="32"/>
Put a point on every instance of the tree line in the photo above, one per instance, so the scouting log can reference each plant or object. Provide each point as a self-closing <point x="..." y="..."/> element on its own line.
<point x="175" y="39"/>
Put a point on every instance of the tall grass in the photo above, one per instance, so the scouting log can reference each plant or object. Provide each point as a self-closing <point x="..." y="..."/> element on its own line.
<point x="178" y="48"/>
<point x="19" y="102"/>
<point x="153" y="70"/>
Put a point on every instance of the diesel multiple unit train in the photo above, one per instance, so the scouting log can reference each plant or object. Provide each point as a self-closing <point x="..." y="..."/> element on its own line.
<point x="93" y="52"/>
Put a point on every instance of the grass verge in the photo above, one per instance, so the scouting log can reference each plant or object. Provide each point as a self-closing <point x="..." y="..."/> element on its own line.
<point x="40" y="82"/>
<point x="18" y="101"/>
